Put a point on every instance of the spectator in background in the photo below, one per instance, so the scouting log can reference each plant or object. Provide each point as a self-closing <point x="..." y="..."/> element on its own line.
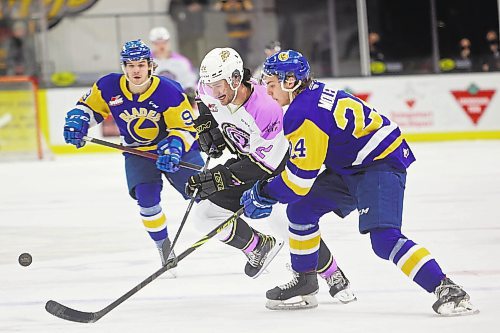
<point x="464" y="61"/>
<point x="376" y="53"/>
<point x="4" y="38"/>
<point x="189" y="16"/>
<point x="271" y="48"/>
<point x="20" y="51"/>
<point x="238" y="24"/>
<point x="491" y="60"/>
<point x="171" y="64"/>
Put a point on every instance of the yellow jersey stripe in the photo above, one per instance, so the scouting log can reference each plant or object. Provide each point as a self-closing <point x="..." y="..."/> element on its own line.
<point x="145" y="95"/>
<point x="392" y="147"/>
<point x="302" y="191"/>
<point x="124" y="88"/>
<point x="374" y="142"/>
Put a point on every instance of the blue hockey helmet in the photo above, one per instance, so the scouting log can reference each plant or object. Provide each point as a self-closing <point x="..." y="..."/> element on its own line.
<point x="286" y="64"/>
<point x="135" y="50"/>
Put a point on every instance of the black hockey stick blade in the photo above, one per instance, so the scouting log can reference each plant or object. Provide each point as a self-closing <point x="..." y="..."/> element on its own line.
<point x="61" y="311"/>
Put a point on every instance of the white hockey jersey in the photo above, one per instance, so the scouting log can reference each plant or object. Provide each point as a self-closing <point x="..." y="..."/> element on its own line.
<point x="253" y="130"/>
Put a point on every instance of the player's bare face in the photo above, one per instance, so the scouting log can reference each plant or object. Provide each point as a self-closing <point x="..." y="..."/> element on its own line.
<point x="221" y="91"/>
<point x="137" y="71"/>
<point x="274" y="90"/>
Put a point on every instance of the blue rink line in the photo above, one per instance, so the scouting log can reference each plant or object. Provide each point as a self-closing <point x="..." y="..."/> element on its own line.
<point x="105" y="301"/>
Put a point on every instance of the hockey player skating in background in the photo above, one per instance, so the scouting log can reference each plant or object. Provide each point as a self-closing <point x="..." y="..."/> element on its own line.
<point x="152" y="114"/>
<point x="366" y="160"/>
<point x="237" y="113"/>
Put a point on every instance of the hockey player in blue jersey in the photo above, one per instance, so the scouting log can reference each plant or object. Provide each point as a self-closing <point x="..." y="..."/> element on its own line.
<point x="365" y="160"/>
<point x="152" y="114"/>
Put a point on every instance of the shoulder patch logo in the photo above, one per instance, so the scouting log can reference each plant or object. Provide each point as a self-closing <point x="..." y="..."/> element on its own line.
<point x="116" y="100"/>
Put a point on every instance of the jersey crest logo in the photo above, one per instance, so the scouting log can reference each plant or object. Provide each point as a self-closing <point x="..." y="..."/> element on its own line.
<point x="239" y="138"/>
<point x="116" y="100"/>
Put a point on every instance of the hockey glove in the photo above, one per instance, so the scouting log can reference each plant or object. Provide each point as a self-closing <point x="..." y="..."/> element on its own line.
<point x="209" y="182"/>
<point x="169" y="155"/>
<point x="209" y="136"/>
<point x="76" y="127"/>
<point x="256" y="205"/>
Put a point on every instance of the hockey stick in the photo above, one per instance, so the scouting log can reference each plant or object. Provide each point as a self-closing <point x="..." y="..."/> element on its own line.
<point x="64" y="312"/>
<point x="186" y="214"/>
<point x="137" y="152"/>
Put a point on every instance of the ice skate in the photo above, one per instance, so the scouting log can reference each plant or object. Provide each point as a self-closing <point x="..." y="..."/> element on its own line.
<point x="265" y="251"/>
<point x="167" y="255"/>
<point x="340" y="287"/>
<point x="296" y="294"/>
<point x="452" y="300"/>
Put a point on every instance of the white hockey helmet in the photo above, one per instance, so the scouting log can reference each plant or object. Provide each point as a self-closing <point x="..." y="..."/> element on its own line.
<point x="159" y="33"/>
<point x="222" y="64"/>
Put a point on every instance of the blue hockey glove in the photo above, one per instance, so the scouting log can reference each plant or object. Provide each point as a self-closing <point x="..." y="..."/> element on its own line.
<point x="169" y="155"/>
<point x="76" y="127"/>
<point x="256" y="205"/>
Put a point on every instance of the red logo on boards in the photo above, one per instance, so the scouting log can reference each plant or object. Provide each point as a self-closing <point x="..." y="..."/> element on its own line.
<point x="361" y="95"/>
<point x="474" y="101"/>
<point x="410" y="103"/>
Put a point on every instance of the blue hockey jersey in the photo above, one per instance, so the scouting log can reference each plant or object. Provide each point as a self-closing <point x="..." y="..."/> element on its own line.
<point x="143" y="119"/>
<point x="338" y="130"/>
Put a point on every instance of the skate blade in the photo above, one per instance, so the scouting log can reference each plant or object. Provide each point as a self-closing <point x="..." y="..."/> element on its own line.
<point x="171" y="273"/>
<point x="294" y="303"/>
<point x="274" y="251"/>
<point x="464" y="308"/>
<point x="345" y="296"/>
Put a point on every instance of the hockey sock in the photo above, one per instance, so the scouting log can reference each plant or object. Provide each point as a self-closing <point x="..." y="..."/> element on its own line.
<point x="242" y="236"/>
<point x="414" y="260"/>
<point x="326" y="263"/>
<point x="155" y="223"/>
<point x="304" y="246"/>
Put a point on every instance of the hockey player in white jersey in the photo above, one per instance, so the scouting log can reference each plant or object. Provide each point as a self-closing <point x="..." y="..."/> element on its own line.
<point x="237" y="113"/>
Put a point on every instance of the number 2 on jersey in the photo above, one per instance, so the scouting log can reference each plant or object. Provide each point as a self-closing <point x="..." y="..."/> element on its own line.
<point x="360" y="129"/>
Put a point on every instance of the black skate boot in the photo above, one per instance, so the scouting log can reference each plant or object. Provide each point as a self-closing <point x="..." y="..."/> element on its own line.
<point x="452" y="300"/>
<point x="265" y="251"/>
<point x="339" y="287"/>
<point x="296" y="294"/>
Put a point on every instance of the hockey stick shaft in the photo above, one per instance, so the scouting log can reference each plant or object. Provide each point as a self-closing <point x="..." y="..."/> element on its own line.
<point x="64" y="312"/>
<point x="188" y="210"/>
<point x="137" y="152"/>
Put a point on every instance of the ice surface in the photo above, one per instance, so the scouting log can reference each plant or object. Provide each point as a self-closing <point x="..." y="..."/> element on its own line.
<point x="89" y="247"/>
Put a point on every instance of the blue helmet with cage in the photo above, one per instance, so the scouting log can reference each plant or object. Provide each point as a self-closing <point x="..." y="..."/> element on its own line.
<point x="135" y="50"/>
<point x="287" y="64"/>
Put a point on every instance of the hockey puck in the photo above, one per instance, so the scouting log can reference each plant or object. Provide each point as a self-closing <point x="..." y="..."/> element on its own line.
<point x="25" y="259"/>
